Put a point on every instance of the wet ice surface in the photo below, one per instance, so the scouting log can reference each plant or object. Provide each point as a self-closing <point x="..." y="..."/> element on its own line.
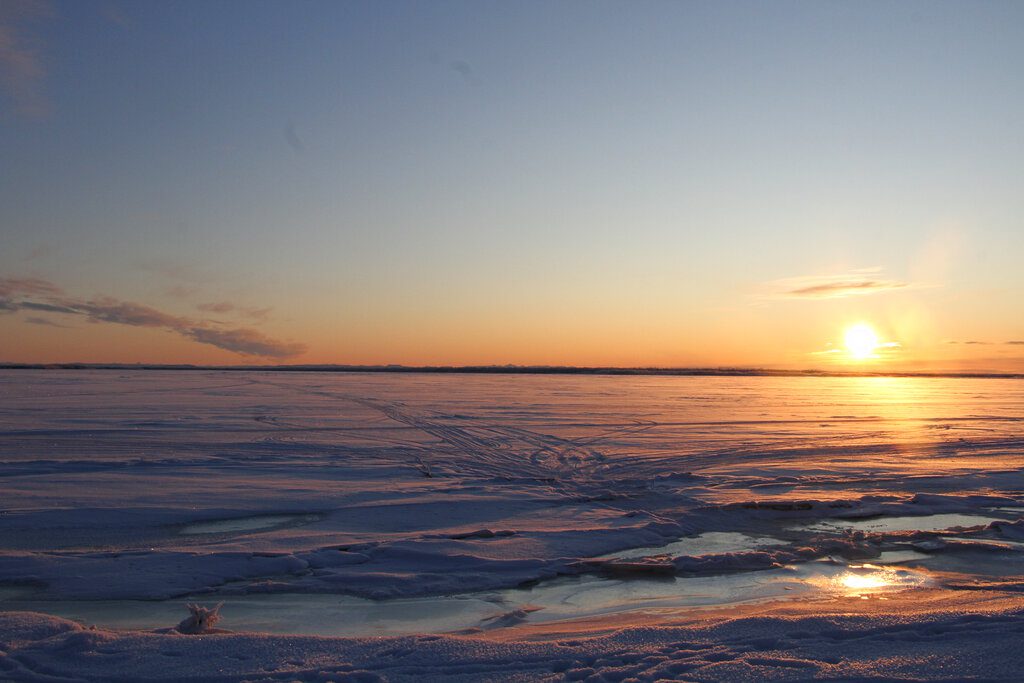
<point x="556" y="600"/>
<point x="702" y="544"/>
<point x="922" y="523"/>
<point x="377" y="504"/>
<point x="240" y="524"/>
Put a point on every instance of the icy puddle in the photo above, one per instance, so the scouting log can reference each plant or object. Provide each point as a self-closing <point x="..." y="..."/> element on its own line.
<point x="240" y="524"/>
<point x="899" y="556"/>
<point x="557" y="600"/>
<point x="908" y="523"/>
<point x="708" y="543"/>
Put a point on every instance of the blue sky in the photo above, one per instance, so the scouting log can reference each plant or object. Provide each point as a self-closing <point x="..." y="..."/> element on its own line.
<point x="515" y="182"/>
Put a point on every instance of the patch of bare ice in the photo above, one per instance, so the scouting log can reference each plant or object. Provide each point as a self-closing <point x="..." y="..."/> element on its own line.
<point x="708" y="543"/>
<point x="243" y="524"/>
<point x="904" y="523"/>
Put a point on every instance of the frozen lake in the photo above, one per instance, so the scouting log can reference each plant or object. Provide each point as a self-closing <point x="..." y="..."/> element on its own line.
<point x="372" y="504"/>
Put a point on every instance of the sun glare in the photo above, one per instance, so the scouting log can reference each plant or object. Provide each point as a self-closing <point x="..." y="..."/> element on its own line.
<point x="863" y="582"/>
<point x="867" y="579"/>
<point x="861" y="341"/>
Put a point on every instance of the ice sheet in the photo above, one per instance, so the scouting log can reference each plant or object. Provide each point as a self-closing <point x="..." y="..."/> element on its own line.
<point x="433" y="503"/>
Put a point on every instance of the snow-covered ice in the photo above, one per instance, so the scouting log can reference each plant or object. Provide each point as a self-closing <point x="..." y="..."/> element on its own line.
<point x="563" y="523"/>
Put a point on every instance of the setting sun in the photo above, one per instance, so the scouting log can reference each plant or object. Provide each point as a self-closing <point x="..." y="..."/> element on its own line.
<point x="861" y="341"/>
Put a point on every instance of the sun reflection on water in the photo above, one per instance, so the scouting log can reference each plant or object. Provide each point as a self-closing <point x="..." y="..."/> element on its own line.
<point x="860" y="582"/>
<point x="870" y="579"/>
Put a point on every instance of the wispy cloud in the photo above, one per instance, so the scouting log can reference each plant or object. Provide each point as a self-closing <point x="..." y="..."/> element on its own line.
<point x="108" y="310"/>
<point x="245" y="341"/>
<point x="48" y="308"/>
<point x="22" y="66"/>
<point x="33" y="294"/>
<point x="224" y="307"/>
<point x="860" y="282"/>
<point x="1013" y="342"/>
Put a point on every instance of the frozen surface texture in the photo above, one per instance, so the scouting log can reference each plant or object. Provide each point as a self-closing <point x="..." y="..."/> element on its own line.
<point x="478" y="505"/>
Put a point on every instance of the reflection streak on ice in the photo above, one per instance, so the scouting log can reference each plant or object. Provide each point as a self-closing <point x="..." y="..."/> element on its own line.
<point x="556" y="600"/>
<point x="867" y="579"/>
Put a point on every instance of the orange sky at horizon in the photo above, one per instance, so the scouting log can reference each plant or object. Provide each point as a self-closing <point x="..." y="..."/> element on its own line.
<point x="765" y="333"/>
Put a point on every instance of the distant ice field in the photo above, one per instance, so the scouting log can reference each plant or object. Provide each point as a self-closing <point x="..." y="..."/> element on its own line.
<point x="370" y="504"/>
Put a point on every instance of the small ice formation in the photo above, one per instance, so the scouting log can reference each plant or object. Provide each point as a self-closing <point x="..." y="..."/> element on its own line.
<point x="201" y="620"/>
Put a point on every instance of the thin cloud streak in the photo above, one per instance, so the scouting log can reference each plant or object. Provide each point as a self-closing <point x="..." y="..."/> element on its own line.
<point x="109" y="310"/>
<point x="228" y="307"/>
<point x="842" y="288"/>
<point x="243" y="341"/>
<point x="48" y="308"/>
<point x="1012" y="342"/>
<point x="841" y="285"/>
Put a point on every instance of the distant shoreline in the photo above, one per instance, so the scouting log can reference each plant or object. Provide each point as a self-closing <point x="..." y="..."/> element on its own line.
<point x="515" y="370"/>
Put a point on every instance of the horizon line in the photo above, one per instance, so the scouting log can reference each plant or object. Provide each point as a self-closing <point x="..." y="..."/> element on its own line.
<point x="511" y="369"/>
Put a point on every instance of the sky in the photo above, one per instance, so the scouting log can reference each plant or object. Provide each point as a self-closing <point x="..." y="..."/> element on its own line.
<point x="536" y="183"/>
